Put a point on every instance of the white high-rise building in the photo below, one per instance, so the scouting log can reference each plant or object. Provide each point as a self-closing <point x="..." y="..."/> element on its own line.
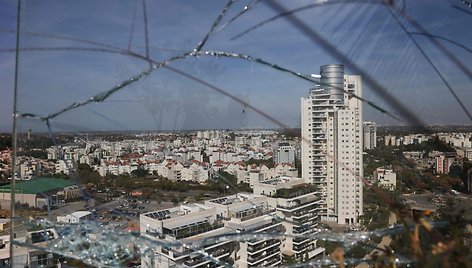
<point x="285" y="153"/>
<point x="370" y="135"/>
<point x="332" y="143"/>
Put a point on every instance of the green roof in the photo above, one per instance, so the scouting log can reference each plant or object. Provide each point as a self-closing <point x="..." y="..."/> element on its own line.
<point x="36" y="186"/>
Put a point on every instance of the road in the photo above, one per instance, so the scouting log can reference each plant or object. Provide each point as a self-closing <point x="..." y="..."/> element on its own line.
<point x="67" y="209"/>
<point x="422" y="201"/>
<point x="110" y="205"/>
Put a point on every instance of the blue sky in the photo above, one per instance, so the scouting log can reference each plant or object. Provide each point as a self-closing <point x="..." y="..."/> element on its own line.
<point x="51" y="80"/>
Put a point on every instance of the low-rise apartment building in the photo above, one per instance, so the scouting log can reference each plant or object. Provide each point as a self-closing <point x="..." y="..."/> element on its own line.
<point x="227" y="228"/>
<point x="203" y="225"/>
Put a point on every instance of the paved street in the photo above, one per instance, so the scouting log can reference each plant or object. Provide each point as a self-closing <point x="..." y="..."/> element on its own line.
<point x="421" y="201"/>
<point x="67" y="208"/>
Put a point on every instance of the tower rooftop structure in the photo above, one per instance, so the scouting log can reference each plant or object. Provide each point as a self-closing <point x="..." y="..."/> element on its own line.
<point x="332" y="81"/>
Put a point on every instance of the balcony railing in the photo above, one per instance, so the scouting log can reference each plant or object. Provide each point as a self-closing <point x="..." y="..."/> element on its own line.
<point x="263" y="255"/>
<point x="215" y="253"/>
<point x="295" y="192"/>
<point x="192" y="230"/>
<point x="301" y="240"/>
<point x="247" y="215"/>
<point x="302" y="230"/>
<point x="268" y="245"/>
<point x="265" y="244"/>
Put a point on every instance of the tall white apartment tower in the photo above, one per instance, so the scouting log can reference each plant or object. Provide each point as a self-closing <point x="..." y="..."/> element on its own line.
<point x="370" y="135"/>
<point x="332" y="143"/>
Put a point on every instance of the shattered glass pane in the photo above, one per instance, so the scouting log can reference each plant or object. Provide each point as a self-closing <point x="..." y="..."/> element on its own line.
<point x="139" y="127"/>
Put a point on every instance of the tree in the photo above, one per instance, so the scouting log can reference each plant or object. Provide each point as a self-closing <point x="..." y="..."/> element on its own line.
<point x="34" y="153"/>
<point x="225" y="180"/>
<point x="5" y="141"/>
<point x="455" y="171"/>
<point x="288" y="259"/>
<point x="175" y="200"/>
<point x="292" y="132"/>
<point x="205" y="157"/>
<point x="124" y="181"/>
<point x="139" y="172"/>
<point x="259" y="162"/>
<point x="232" y="136"/>
<point x="298" y="166"/>
<point x="86" y="174"/>
<point x="227" y="177"/>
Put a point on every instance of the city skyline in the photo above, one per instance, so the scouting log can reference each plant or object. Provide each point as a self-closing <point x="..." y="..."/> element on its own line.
<point x="381" y="49"/>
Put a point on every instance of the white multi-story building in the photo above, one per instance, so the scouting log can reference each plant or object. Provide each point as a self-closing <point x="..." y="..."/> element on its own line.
<point x="64" y="166"/>
<point x="298" y="203"/>
<point x="31" y="256"/>
<point x="285" y="153"/>
<point x="386" y="178"/>
<point x="28" y="170"/>
<point x="464" y="152"/>
<point x="75" y="217"/>
<point x="370" y="135"/>
<point x="184" y="227"/>
<point x="390" y="140"/>
<point x="256" y="142"/>
<point x="332" y="143"/>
